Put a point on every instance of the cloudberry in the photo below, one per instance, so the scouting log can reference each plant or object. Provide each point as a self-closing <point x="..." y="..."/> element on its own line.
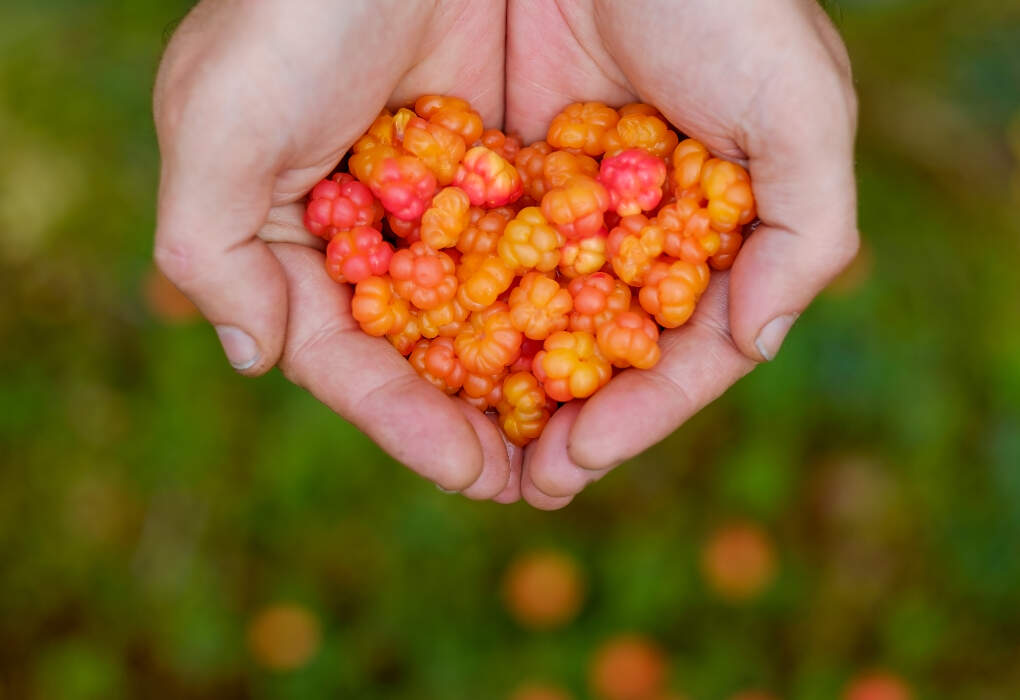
<point x="404" y="186"/>
<point x="356" y="254"/>
<point x="484" y="229"/>
<point x="407" y="231"/>
<point x="598" y="298"/>
<point x="629" y="339"/>
<point x="447" y="320"/>
<point x="728" y="189"/>
<point x="672" y="289"/>
<point x="641" y="108"/>
<point x="436" y="362"/>
<point x="483" y="391"/>
<point x="490" y="343"/>
<point x="583" y="255"/>
<point x="645" y="131"/>
<point x="539" y="306"/>
<point x="439" y="148"/>
<point x="488" y="178"/>
<point x="570" y="366"/>
<point x="633" y="178"/>
<point x="688" y="231"/>
<point x="339" y="204"/>
<point x="452" y="113"/>
<point x="561" y="166"/>
<point x="729" y="246"/>
<point x="377" y="308"/>
<point x="577" y="208"/>
<point x="530" y="243"/>
<point x="530" y="164"/>
<point x="529" y="348"/>
<point x="582" y="126"/>
<point x="446" y="218"/>
<point x="425" y="277"/>
<point x="486" y="280"/>
<point x="633" y="246"/>
<point x="688" y="161"/>
<point x="365" y="163"/>
<point x="405" y="340"/>
<point x="506" y="145"/>
<point x="379" y="133"/>
<point x="523" y="411"/>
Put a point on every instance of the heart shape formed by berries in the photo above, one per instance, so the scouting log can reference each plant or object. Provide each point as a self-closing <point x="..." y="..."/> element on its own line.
<point x="523" y="277"/>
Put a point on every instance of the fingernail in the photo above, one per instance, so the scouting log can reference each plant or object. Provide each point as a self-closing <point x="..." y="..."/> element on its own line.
<point x="448" y="492"/>
<point x="770" y="339"/>
<point x="240" y="348"/>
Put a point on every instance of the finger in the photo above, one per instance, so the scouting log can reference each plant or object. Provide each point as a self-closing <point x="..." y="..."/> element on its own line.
<point x="534" y="497"/>
<point x="638" y="408"/>
<point x="368" y="382"/>
<point x="205" y="244"/>
<point x="495" y="473"/>
<point x="285" y="224"/>
<point x="512" y="492"/>
<point x="548" y="463"/>
<point x="799" y="140"/>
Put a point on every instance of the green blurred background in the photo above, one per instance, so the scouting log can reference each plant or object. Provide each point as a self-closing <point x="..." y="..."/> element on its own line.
<point x="169" y="529"/>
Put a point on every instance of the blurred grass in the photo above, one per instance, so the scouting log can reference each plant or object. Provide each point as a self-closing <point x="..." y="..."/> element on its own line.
<point x="152" y="503"/>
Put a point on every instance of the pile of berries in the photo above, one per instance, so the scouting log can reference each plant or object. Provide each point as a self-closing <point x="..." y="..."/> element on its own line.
<point x="520" y="277"/>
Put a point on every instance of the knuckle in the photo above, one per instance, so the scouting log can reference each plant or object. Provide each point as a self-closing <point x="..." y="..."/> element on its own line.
<point x="177" y="261"/>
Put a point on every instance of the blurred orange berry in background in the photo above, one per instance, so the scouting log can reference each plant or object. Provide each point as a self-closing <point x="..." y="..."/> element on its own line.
<point x="878" y="685"/>
<point x="628" y="667"/>
<point x="738" y="561"/>
<point x="284" y="637"/>
<point x="543" y="589"/>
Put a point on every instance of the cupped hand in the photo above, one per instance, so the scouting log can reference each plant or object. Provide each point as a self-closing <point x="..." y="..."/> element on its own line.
<point x="254" y="104"/>
<point x="764" y="84"/>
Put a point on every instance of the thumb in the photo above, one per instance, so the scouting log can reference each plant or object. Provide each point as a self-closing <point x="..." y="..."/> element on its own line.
<point x="208" y="216"/>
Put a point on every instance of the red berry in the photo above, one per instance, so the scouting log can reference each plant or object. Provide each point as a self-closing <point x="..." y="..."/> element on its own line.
<point x="634" y="180"/>
<point x="339" y="204"/>
<point x="356" y="254"/>
<point x="404" y="185"/>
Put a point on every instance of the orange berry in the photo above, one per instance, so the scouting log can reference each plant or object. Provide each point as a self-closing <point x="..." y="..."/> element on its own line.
<point x="453" y="113"/>
<point x="628" y="668"/>
<point x="483" y="391"/>
<point x="571" y="366"/>
<point x="560" y="167"/>
<point x="380" y="132"/>
<point x="598" y="297"/>
<point x="485" y="278"/>
<point x="738" y="561"/>
<point x="488" y="179"/>
<point x="490" y="343"/>
<point x="644" y="131"/>
<point x="543" y="589"/>
<point x="530" y="164"/>
<point x="729" y="246"/>
<point x="688" y="231"/>
<point x="688" y="160"/>
<point x="425" y="277"/>
<point x="405" y="339"/>
<point x="878" y="685"/>
<point x="577" y="208"/>
<point x="582" y="126"/>
<point x="439" y="148"/>
<point x="672" y="289"/>
<point x="506" y="145"/>
<point x="407" y="231"/>
<point x="523" y="410"/>
<point x="284" y="636"/>
<point x="446" y="218"/>
<point x="633" y="246"/>
<point x="377" y="308"/>
<point x="728" y="189"/>
<point x="629" y="339"/>
<point x="539" y="306"/>
<point x="484" y="229"/>
<point x="582" y="256"/>
<point x="366" y="162"/>
<point x="447" y="319"/>
<point x="530" y="243"/>
<point x="436" y="362"/>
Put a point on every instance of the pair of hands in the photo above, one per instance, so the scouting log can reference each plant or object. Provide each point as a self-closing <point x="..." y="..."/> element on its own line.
<point x="256" y="102"/>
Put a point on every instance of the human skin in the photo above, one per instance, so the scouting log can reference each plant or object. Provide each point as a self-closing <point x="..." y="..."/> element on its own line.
<point x="765" y="84"/>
